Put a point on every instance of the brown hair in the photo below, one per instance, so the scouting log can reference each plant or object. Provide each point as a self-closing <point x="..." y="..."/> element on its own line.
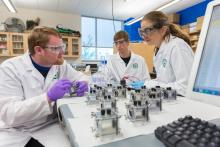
<point x="39" y="36"/>
<point x="121" y="35"/>
<point x="160" y="19"/>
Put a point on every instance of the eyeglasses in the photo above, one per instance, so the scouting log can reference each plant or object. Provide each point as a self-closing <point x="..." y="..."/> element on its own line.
<point x="143" y="32"/>
<point x="56" y="49"/>
<point x="119" y="42"/>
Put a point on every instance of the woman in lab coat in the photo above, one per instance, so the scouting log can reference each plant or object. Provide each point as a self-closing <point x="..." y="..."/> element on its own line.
<point x="173" y="55"/>
<point x="29" y="86"/>
<point x="125" y="64"/>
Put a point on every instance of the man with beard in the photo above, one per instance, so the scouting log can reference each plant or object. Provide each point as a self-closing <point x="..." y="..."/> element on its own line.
<point x="29" y="87"/>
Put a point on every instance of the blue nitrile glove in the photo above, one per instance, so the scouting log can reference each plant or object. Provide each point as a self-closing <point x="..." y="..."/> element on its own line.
<point x="137" y="84"/>
<point x="82" y="87"/>
<point x="58" y="90"/>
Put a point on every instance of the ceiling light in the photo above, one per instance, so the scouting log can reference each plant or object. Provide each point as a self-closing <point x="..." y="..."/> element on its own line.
<point x="134" y="20"/>
<point x="9" y="5"/>
<point x="158" y="9"/>
<point x="167" y="5"/>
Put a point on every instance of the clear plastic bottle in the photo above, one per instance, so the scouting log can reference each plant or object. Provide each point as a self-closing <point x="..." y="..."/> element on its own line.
<point x="103" y="72"/>
<point x="98" y="76"/>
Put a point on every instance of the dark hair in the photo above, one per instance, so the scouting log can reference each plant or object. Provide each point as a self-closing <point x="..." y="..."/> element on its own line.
<point x="160" y="19"/>
<point x="121" y="35"/>
<point x="39" y="36"/>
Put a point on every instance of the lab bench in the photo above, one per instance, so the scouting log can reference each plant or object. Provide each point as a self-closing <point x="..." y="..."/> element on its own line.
<point x="75" y="117"/>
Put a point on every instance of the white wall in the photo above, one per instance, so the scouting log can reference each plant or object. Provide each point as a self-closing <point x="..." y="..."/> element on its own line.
<point x="47" y="18"/>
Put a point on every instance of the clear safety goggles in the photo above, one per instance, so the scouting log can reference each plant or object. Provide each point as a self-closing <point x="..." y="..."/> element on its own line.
<point x="56" y="49"/>
<point x="146" y="31"/>
<point x="118" y="42"/>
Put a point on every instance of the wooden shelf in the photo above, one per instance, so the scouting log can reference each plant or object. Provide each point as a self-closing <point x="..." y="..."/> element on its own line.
<point x="75" y="56"/>
<point x="3" y="55"/>
<point x="193" y="40"/>
<point x="17" y="41"/>
<point x="73" y="47"/>
<point x="195" y="32"/>
<point x="194" y="36"/>
<point x="17" y="54"/>
<point x="70" y="56"/>
<point x="194" y="46"/>
<point x="18" y="48"/>
<point x="17" y="44"/>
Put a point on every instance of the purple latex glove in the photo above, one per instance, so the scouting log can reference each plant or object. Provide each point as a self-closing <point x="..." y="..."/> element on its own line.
<point x="82" y="87"/>
<point x="58" y="90"/>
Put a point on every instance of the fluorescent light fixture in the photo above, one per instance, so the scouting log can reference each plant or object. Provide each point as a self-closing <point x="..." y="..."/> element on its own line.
<point x="158" y="9"/>
<point x="9" y="5"/>
<point x="167" y="5"/>
<point x="134" y="20"/>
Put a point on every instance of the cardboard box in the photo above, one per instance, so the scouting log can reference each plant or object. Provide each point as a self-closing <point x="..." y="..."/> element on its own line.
<point x="192" y="27"/>
<point x="174" y="18"/>
<point x="194" y="37"/>
<point x="199" y="23"/>
<point x="196" y="43"/>
<point x="185" y="28"/>
<point x="200" y="19"/>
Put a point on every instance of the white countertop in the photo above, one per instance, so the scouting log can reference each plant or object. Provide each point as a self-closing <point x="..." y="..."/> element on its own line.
<point x="82" y="122"/>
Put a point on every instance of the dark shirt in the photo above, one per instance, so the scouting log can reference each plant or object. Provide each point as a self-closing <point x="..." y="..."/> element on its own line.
<point x="126" y="60"/>
<point x="43" y="70"/>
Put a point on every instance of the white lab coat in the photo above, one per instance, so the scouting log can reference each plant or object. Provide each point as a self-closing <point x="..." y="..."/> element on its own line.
<point x="173" y="64"/>
<point x="23" y="102"/>
<point x="136" y="69"/>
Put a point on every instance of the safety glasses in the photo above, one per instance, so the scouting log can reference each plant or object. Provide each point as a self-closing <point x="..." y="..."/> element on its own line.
<point x="119" y="42"/>
<point x="56" y="49"/>
<point x="143" y="32"/>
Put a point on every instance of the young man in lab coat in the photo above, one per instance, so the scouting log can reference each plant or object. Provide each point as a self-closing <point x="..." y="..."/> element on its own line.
<point x="125" y="64"/>
<point x="29" y="86"/>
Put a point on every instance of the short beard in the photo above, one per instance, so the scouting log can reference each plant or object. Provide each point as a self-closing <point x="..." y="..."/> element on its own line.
<point x="59" y="61"/>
